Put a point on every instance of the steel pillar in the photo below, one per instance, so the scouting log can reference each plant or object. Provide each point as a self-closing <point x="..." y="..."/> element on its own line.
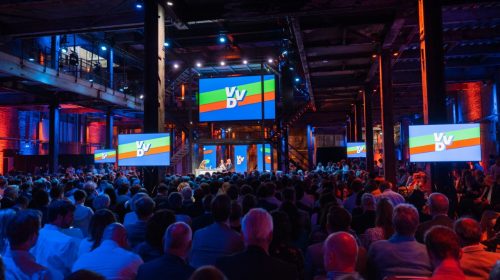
<point x="368" y="101"/>
<point x="358" y="117"/>
<point x="154" y="77"/>
<point x="386" y="107"/>
<point x="433" y="83"/>
<point x="111" y="71"/>
<point x="109" y="128"/>
<point x="54" y="110"/>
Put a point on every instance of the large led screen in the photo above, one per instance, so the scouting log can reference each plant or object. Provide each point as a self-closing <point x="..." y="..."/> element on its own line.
<point x="237" y="98"/>
<point x="356" y="149"/>
<point x="453" y="142"/>
<point x="144" y="149"/>
<point x="104" y="156"/>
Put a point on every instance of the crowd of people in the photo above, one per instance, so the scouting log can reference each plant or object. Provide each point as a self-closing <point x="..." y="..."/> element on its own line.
<point x="333" y="222"/>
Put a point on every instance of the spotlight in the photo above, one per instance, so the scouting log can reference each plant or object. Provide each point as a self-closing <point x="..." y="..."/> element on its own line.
<point x="64" y="50"/>
<point x="91" y="80"/>
<point x="125" y="87"/>
<point x="104" y="48"/>
<point x="297" y="79"/>
<point x="120" y="89"/>
<point x="222" y="39"/>
<point x="139" y="4"/>
<point x="166" y="44"/>
<point x="31" y="59"/>
<point x="198" y="64"/>
<point x="270" y="60"/>
<point x="170" y="3"/>
<point x="176" y="66"/>
<point x="141" y="96"/>
<point x="245" y="61"/>
<point x="395" y="53"/>
<point x="291" y="68"/>
<point x="374" y="55"/>
<point x="222" y="63"/>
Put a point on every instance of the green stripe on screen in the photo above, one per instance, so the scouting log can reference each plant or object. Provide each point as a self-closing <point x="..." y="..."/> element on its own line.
<point x="220" y="94"/>
<point x="458" y="135"/>
<point x="156" y="142"/>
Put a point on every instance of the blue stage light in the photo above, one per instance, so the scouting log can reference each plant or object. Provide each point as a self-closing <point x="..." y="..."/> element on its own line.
<point x="104" y="48"/>
<point x="222" y="39"/>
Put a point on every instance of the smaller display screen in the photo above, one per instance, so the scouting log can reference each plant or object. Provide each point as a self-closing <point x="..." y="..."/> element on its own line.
<point x="356" y="149"/>
<point x="104" y="156"/>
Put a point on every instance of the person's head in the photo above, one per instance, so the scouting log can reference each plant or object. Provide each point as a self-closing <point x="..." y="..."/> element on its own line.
<point x="405" y="219"/>
<point x="368" y="202"/>
<point x="79" y="196"/>
<point x="101" y="201"/>
<point x="157" y="225"/>
<point x="248" y="202"/>
<point x="207" y="202"/>
<point x="6" y="215"/>
<point x="442" y="243"/>
<point x="221" y="208"/>
<point x="116" y="232"/>
<point x="340" y="252"/>
<point x="22" y="230"/>
<point x="468" y="231"/>
<point x="187" y="193"/>
<point x="488" y="221"/>
<point x="383" y="216"/>
<point x="257" y="228"/>
<point x="338" y="219"/>
<point x="177" y="239"/>
<point x="84" y="274"/>
<point x="99" y="221"/>
<point x="61" y="213"/>
<point x="144" y="208"/>
<point x="207" y="272"/>
<point x="175" y="201"/>
<point x="438" y="204"/>
<point x="356" y="185"/>
<point x="385" y="185"/>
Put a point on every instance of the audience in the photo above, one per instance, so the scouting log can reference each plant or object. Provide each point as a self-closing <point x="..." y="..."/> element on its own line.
<point x="111" y="259"/>
<point x="341" y="252"/>
<point x="438" y="208"/>
<point x="173" y="264"/>
<point x="475" y="261"/>
<point x="255" y="262"/>
<point x="401" y="254"/>
<point x="217" y="239"/>
<point x="331" y="216"/>
<point x="54" y="249"/>
<point x="444" y="251"/>
<point x="136" y="232"/>
<point x="22" y="233"/>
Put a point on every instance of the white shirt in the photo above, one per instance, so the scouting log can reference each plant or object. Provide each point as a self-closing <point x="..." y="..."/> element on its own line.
<point x="83" y="214"/>
<point x="392" y="196"/>
<point x="111" y="261"/>
<point x="55" y="250"/>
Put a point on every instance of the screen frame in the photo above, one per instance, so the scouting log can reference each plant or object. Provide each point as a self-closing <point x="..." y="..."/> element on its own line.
<point x="241" y="120"/>
<point x="412" y="159"/>
<point x="158" y="133"/>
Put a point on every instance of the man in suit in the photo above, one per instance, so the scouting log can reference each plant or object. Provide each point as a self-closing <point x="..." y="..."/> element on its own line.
<point x="438" y="206"/>
<point x="475" y="262"/>
<point x="217" y="239"/>
<point x="255" y="262"/>
<point x="172" y="265"/>
<point x="229" y="165"/>
<point x="136" y="232"/>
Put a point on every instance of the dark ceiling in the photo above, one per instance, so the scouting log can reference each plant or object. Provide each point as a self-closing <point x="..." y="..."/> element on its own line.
<point x="332" y="44"/>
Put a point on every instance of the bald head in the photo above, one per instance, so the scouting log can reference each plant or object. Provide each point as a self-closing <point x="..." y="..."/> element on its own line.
<point x="116" y="232"/>
<point x="177" y="239"/>
<point x="468" y="231"/>
<point x="438" y="204"/>
<point x="340" y="252"/>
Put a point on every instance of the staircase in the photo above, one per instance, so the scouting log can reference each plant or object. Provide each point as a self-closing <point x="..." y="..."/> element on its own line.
<point x="179" y="155"/>
<point x="298" y="158"/>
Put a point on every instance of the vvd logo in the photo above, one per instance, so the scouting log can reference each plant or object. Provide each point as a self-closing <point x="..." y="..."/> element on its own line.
<point x="142" y="148"/>
<point x="442" y="141"/>
<point x="359" y="149"/>
<point x="240" y="160"/>
<point x="234" y="96"/>
<point x="104" y="155"/>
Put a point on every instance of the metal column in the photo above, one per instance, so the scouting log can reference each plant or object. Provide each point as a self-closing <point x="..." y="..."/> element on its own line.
<point x="109" y="128"/>
<point x="55" y="46"/>
<point x="54" y="110"/>
<point x="111" y="71"/>
<point x="387" y="114"/>
<point x="358" y="116"/>
<point x="368" y="100"/>
<point x="432" y="66"/>
<point x="154" y="77"/>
